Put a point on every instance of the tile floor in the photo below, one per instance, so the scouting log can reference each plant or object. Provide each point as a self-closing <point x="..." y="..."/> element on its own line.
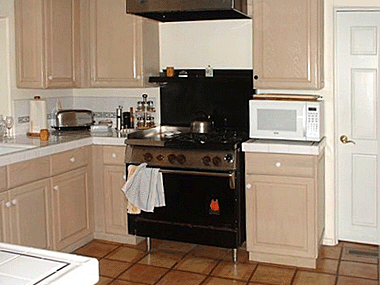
<point x="181" y="263"/>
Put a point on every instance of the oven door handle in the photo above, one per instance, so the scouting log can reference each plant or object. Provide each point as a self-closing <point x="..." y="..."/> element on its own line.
<point x="231" y="176"/>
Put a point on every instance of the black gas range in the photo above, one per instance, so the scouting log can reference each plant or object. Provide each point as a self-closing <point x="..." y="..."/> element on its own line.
<point x="203" y="173"/>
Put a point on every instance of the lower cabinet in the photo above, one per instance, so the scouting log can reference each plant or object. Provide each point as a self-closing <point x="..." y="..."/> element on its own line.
<point x="285" y="208"/>
<point x="114" y="200"/>
<point x="25" y="215"/>
<point x="71" y="208"/>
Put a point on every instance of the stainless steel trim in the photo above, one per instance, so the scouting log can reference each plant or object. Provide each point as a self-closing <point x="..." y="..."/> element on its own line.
<point x="231" y="176"/>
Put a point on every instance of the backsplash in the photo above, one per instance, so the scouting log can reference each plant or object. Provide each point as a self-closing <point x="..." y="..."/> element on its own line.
<point x="104" y="108"/>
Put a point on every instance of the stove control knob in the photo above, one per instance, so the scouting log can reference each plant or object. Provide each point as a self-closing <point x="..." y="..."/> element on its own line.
<point x="172" y="158"/>
<point x="217" y="161"/>
<point x="160" y="157"/>
<point x="181" y="159"/>
<point x="148" y="157"/>
<point x="206" y="160"/>
<point x="229" y="158"/>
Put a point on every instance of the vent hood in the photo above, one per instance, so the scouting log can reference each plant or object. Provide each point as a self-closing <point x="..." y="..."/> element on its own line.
<point x="185" y="10"/>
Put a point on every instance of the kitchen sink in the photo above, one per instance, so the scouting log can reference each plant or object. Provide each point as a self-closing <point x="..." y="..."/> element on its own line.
<point x="6" y="148"/>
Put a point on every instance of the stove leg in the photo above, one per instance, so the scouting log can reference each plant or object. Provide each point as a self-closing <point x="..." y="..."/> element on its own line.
<point x="148" y="244"/>
<point x="234" y="255"/>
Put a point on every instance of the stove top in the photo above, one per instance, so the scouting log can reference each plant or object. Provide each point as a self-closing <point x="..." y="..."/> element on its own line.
<point x="217" y="139"/>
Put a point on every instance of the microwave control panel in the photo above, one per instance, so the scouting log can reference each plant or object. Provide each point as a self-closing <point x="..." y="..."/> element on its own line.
<point x="313" y="121"/>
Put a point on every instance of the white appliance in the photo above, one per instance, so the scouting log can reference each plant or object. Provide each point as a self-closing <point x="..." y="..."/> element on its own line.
<point x="286" y="120"/>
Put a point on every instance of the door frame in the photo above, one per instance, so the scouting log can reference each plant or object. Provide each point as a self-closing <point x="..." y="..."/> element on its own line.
<point x="336" y="134"/>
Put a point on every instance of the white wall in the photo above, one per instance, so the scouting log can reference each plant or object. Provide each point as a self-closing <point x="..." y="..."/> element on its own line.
<point x="221" y="44"/>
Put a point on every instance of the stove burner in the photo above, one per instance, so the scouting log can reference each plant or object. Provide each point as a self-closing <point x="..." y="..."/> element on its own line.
<point x="220" y="138"/>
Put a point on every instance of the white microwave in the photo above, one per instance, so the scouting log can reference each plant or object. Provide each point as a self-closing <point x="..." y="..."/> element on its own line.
<point x="286" y="120"/>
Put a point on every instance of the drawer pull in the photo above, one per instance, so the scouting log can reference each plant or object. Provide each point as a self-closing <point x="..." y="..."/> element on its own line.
<point x="8" y="204"/>
<point x="72" y="159"/>
<point x="114" y="155"/>
<point x="248" y="186"/>
<point x="56" y="188"/>
<point x="14" y="202"/>
<point x="278" y="164"/>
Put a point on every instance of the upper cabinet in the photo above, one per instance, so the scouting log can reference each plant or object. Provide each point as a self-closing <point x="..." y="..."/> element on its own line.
<point x="47" y="43"/>
<point x="123" y="49"/>
<point x="288" y="44"/>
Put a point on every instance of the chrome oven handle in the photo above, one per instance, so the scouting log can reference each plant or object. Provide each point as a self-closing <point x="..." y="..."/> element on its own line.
<point x="231" y="176"/>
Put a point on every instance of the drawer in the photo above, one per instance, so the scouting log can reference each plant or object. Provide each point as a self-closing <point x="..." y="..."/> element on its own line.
<point x="280" y="164"/>
<point x="3" y="178"/>
<point x="113" y="154"/>
<point x="69" y="160"/>
<point x="28" y="171"/>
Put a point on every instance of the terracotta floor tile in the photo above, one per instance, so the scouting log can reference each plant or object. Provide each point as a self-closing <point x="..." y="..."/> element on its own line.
<point x="357" y="269"/>
<point x="349" y="255"/>
<point x="126" y="254"/>
<point x="344" y="280"/>
<point x="242" y="256"/>
<point x="222" y="281"/>
<point x="209" y="251"/>
<point x="171" y="246"/>
<point x="360" y="245"/>
<point x="96" y="249"/>
<point x="273" y="275"/>
<point x="104" y="280"/>
<point x="143" y="273"/>
<point x="162" y="258"/>
<point x="326" y="266"/>
<point x="181" y="277"/>
<point x="332" y="252"/>
<point x="112" y="268"/>
<point x="313" y="278"/>
<point x="239" y="271"/>
<point x="122" y="282"/>
<point x="196" y="264"/>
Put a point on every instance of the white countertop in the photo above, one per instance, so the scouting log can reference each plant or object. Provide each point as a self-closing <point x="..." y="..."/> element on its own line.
<point x="284" y="147"/>
<point x="20" y="265"/>
<point x="58" y="142"/>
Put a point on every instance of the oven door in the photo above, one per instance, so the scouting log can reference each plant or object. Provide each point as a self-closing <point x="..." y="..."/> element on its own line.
<point x="201" y="207"/>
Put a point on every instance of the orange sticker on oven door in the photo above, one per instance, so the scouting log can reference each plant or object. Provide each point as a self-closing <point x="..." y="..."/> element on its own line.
<point x="214" y="207"/>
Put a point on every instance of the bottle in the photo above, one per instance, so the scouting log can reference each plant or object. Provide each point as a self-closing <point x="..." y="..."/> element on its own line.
<point x="119" y="113"/>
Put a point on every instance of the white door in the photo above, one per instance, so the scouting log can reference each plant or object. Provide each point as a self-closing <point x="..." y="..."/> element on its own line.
<point x="357" y="119"/>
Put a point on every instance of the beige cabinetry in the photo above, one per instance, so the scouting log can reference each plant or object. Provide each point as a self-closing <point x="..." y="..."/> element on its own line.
<point x="285" y="207"/>
<point x="111" y="215"/>
<point x="288" y="44"/>
<point x="47" y="43"/>
<point x="3" y="178"/>
<point x="123" y="49"/>
<point x="71" y="199"/>
<point x="4" y="217"/>
<point x="30" y="214"/>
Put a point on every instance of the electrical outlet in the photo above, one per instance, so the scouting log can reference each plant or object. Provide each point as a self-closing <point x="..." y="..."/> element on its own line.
<point x="23" y="120"/>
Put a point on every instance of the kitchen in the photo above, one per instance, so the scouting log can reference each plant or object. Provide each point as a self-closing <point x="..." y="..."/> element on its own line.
<point x="235" y="59"/>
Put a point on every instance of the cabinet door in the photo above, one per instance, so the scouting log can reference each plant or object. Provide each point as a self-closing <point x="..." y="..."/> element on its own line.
<point x="30" y="214"/>
<point x="4" y="217"/>
<point x="47" y="46"/>
<point x="62" y="43"/>
<point x="115" y="201"/>
<point x="117" y="45"/>
<point x="71" y="217"/>
<point x="281" y="216"/>
<point x="288" y="44"/>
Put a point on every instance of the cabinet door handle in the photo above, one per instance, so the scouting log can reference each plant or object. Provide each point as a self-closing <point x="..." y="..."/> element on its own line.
<point x="72" y="159"/>
<point x="278" y="164"/>
<point x="50" y="77"/>
<point x="125" y="177"/>
<point x="114" y="155"/>
<point x="8" y="204"/>
<point x="14" y="202"/>
<point x="248" y="186"/>
<point x="56" y="188"/>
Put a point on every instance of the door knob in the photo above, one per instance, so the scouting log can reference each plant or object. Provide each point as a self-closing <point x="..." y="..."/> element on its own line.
<point x="344" y="139"/>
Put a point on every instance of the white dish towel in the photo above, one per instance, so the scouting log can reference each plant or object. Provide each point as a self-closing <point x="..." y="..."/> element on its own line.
<point x="144" y="189"/>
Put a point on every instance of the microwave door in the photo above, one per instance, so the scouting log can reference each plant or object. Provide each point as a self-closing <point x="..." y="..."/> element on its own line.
<point x="284" y="121"/>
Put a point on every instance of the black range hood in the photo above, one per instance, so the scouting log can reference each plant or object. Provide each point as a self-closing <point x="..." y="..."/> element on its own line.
<point x="185" y="10"/>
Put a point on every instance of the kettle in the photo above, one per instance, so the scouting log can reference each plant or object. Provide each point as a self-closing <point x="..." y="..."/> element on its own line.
<point x="202" y="125"/>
